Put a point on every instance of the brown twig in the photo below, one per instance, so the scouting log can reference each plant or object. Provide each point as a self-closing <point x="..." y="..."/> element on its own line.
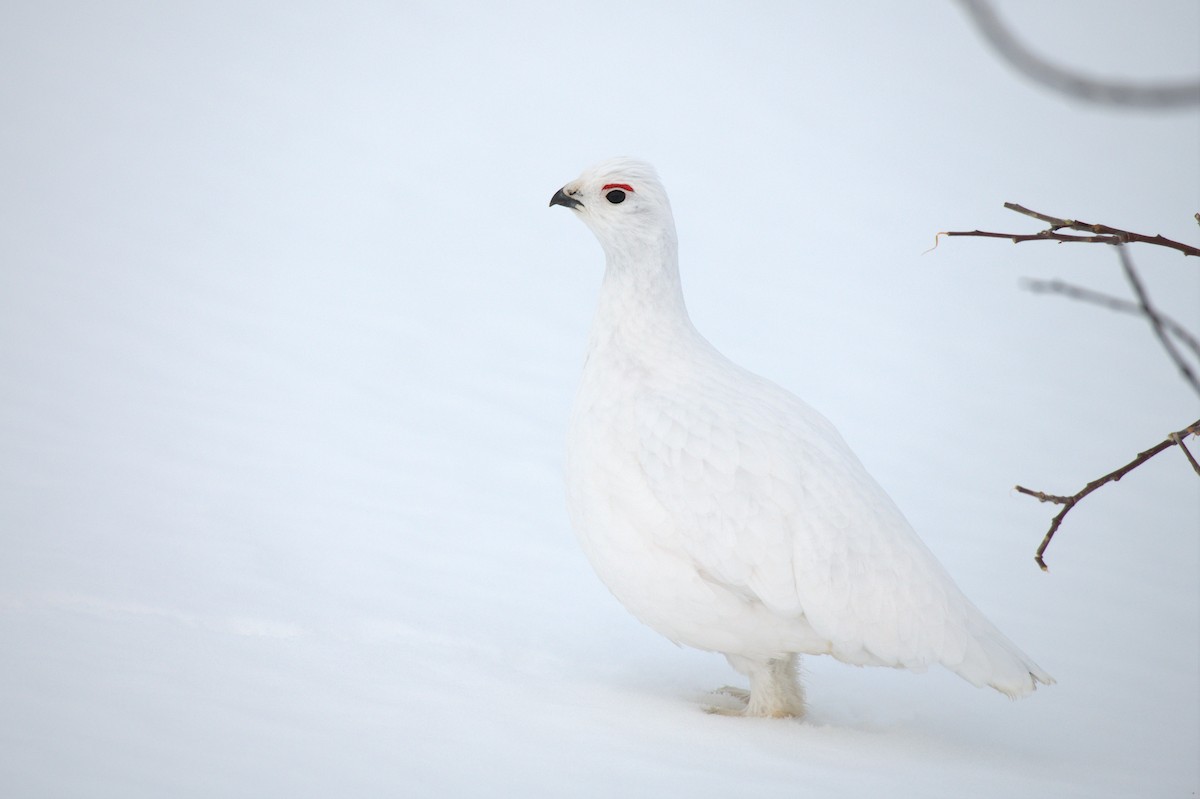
<point x="1156" y="322"/>
<point x="1101" y="234"/>
<point x="1174" y="439"/>
<point x="1106" y="234"/>
<point x="1187" y="453"/>
<point x="1070" y="83"/>
<point x="1162" y="326"/>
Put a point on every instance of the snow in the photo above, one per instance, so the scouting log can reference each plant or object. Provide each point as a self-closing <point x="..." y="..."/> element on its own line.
<point x="288" y="339"/>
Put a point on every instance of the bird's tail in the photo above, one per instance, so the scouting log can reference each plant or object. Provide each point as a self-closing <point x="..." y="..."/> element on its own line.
<point x="993" y="660"/>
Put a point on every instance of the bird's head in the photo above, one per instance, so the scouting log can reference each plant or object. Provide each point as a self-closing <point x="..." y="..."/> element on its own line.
<point x="623" y="203"/>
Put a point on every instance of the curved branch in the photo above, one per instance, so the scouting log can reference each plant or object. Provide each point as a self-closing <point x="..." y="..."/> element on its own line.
<point x="1174" y="439"/>
<point x="1073" y="84"/>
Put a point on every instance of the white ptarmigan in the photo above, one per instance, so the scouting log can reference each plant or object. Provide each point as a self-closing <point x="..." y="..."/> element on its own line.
<point x="723" y="511"/>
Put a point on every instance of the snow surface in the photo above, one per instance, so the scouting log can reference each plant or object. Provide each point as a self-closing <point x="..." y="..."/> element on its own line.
<point x="288" y="338"/>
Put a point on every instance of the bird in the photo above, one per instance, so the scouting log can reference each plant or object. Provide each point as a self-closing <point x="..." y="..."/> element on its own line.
<point x="723" y="511"/>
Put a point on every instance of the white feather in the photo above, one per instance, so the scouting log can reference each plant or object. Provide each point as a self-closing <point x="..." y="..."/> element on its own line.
<point x="726" y="513"/>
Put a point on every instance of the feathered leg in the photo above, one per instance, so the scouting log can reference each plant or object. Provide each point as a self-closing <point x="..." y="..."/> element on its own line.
<point x="775" y="689"/>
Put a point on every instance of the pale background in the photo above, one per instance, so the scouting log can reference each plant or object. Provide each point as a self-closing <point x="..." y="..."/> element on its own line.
<point x="288" y="339"/>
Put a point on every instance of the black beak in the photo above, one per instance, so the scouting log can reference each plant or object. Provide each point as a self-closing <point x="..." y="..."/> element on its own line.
<point x="562" y="198"/>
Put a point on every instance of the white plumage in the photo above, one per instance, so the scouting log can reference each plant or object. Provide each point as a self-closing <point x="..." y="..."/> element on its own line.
<point x="724" y="512"/>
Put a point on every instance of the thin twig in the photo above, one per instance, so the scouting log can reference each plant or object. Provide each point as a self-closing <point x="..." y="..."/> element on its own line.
<point x="1155" y="322"/>
<point x="1045" y="235"/>
<point x="1101" y="234"/>
<point x="1070" y="290"/>
<point x="1123" y="236"/>
<point x="1067" y="503"/>
<point x="1187" y="453"/>
<point x="1072" y="84"/>
<point x="1161" y="325"/>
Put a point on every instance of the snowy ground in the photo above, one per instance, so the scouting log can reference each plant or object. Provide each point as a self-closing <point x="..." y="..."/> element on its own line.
<point x="288" y="338"/>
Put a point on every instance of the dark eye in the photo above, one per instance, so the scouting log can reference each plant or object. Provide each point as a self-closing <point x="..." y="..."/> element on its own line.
<point x="615" y="196"/>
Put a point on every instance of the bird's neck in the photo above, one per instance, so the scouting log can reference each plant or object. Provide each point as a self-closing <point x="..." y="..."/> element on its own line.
<point x="641" y="300"/>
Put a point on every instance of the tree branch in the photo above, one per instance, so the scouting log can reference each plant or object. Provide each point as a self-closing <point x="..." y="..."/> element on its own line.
<point x="1073" y="84"/>
<point x="1186" y="452"/>
<point x="1101" y="234"/>
<point x="1163" y="327"/>
<point x="1155" y="321"/>
<point x="1174" y="439"/>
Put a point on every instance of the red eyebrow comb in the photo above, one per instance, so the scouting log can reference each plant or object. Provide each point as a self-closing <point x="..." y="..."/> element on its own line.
<point x="624" y="186"/>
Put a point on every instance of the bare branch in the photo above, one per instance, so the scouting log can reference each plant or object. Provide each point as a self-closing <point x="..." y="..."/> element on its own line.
<point x="1122" y="236"/>
<point x="1174" y="439"/>
<point x="1163" y="327"/>
<point x="1150" y="313"/>
<point x="1187" y="452"/>
<point x="1070" y="83"/>
<point x="1101" y="234"/>
<point x="1112" y="303"/>
<point x="1045" y="235"/>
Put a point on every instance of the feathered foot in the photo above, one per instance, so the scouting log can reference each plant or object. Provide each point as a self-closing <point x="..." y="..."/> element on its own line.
<point x="775" y="690"/>
<point x="740" y="694"/>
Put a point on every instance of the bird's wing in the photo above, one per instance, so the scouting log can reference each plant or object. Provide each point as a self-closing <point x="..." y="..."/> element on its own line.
<point x="770" y="501"/>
